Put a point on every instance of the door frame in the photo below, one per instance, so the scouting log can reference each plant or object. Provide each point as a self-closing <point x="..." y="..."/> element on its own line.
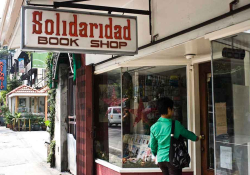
<point x="204" y="69"/>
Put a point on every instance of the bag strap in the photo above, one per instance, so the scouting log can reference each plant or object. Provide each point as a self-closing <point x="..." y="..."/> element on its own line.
<point x="173" y="128"/>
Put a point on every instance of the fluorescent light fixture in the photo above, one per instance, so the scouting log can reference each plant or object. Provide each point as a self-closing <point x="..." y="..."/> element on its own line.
<point x="248" y="31"/>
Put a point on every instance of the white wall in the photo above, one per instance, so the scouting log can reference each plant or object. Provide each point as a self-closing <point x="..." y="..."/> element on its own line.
<point x="60" y="120"/>
<point x="71" y="153"/>
<point x="13" y="104"/>
<point x="57" y="129"/>
<point x="170" y="17"/>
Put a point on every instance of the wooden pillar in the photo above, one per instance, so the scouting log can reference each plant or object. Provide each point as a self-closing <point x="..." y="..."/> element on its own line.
<point x="16" y="106"/>
<point x="46" y="108"/>
<point x="35" y="104"/>
<point x="18" y="120"/>
<point x="29" y="126"/>
<point x="24" y="123"/>
<point x="14" y="123"/>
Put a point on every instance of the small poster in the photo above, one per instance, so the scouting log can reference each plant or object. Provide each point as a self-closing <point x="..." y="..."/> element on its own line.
<point x="135" y="150"/>
<point x="21" y="65"/>
<point x="146" y="139"/>
<point x="226" y="156"/>
<point x="142" y="152"/>
<point x="221" y="118"/>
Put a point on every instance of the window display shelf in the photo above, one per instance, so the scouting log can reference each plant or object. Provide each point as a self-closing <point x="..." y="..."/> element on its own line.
<point x="133" y="170"/>
<point x="127" y="170"/>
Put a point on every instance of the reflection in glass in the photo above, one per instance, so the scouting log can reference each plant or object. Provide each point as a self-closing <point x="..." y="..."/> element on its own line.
<point x="108" y="117"/>
<point x="125" y="109"/>
<point x="141" y="87"/>
<point x="231" y="103"/>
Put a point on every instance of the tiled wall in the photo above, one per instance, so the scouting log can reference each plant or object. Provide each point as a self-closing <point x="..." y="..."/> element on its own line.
<point x="84" y="119"/>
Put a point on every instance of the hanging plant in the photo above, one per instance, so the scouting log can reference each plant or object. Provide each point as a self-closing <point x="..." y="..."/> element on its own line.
<point x="52" y="102"/>
<point x="51" y="157"/>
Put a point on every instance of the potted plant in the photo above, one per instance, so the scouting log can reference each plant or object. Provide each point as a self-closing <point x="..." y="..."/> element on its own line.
<point x="16" y="118"/>
<point x="3" y="112"/>
<point x="8" y="119"/>
<point x="47" y="124"/>
<point x="44" y="126"/>
<point x="37" y="122"/>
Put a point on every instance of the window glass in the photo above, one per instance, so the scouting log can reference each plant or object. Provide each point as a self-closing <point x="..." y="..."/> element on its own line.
<point x="122" y="137"/>
<point x="109" y="111"/>
<point x="141" y="87"/>
<point x="231" y="90"/>
<point x="108" y="144"/>
<point x="116" y="110"/>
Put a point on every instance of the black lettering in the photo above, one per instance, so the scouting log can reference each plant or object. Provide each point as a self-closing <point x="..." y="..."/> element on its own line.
<point x="122" y="44"/>
<point x="94" y="43"/>
<point x="42" y="40"/>
<point x="64" y="41"/>
<point x="114" y="44"/>
<point x="103" y="44"/>
<point x="73" y="41"/>
<point x="55" y="41"/>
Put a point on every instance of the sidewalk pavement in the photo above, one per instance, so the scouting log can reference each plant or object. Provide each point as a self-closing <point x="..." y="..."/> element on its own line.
<point x="24" y="153"/>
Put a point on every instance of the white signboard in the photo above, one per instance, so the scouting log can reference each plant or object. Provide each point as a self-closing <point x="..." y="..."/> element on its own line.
<point x="226" y="156"/>
<point x="78" y="32"/>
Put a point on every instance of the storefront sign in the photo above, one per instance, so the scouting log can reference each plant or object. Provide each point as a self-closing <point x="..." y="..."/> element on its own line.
<point x="78" y="32"/>
<point x="21" y="65"/>
<point x="39" y="60"/>
<point x="3" y="76"/>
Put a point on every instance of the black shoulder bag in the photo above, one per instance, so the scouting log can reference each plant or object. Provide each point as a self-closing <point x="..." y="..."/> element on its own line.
<point x="178" y="154"/>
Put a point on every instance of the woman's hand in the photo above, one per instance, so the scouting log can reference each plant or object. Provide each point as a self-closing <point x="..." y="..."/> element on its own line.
<point x="200" y="137"/>
<point x="197" y="138"/>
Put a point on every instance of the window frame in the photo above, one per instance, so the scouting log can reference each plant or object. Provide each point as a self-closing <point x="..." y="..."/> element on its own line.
<point x="191" y="119"/>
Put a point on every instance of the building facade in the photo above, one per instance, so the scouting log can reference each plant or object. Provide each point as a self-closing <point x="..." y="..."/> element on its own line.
<point x="196" y="53"/>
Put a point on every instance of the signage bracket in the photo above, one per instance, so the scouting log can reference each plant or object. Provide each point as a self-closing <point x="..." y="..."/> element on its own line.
<point x="74" y="4"/>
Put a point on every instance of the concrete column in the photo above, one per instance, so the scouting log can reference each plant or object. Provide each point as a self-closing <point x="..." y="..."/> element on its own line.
<point x="61" y="126"/>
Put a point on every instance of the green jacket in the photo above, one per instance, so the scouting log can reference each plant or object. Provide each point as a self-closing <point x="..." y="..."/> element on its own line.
<point x="160" y="137"/>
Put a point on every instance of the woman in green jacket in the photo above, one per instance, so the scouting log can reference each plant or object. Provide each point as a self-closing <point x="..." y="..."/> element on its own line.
<point x="160" y="136"/>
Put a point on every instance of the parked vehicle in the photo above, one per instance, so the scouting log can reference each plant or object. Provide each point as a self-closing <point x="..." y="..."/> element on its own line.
<point x="114" y="115"/>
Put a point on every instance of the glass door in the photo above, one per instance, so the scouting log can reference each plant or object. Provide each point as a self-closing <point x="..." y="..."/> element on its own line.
<point x="231" y="97"/>
<point x="206" y="118"/>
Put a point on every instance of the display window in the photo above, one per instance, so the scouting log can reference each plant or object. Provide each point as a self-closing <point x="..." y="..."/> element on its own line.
<point x="231" y="87"/>
<point x="126" y="108"/>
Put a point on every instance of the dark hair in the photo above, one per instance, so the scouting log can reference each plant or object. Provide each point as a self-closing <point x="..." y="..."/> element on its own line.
<point x="163" y="104"/>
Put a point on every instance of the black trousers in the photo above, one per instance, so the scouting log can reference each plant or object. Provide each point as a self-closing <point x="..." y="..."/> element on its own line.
<point x="168" y="169"/>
